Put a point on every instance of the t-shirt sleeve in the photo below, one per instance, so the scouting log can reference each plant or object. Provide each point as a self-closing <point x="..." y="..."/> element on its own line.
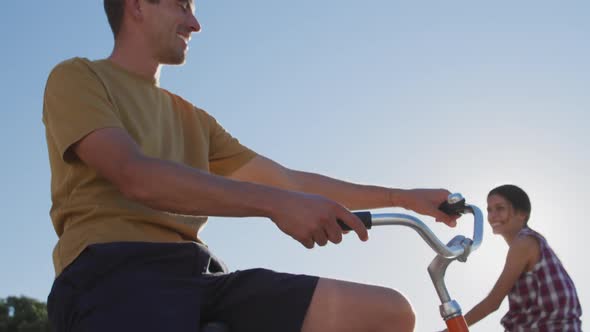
<point x="226" y="153"/>
<point x="75" y="104"/>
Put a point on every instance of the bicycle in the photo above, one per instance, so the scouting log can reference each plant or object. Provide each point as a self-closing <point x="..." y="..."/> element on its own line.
<point x="459" y="248"/>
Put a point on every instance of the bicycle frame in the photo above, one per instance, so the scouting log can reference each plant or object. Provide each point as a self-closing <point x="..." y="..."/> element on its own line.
<point x="459" y="248"/>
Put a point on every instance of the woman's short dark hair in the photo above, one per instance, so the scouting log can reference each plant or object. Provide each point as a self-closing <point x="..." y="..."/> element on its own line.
<point x="516" y="196"/>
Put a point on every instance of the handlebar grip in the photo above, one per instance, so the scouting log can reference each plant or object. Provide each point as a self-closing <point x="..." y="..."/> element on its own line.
<point x="455" y="208"/>
<point x="364" y="216"/>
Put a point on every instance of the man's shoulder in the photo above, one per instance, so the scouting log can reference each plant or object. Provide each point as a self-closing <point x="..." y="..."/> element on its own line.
<point x="70" y="67"/>
<point x="75" y="62"/>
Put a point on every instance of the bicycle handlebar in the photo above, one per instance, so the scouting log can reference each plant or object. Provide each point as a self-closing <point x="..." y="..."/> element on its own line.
<point x="453" y="206"/>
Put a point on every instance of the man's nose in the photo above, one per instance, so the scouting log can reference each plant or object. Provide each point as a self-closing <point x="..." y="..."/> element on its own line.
<point x="194" y="24"/>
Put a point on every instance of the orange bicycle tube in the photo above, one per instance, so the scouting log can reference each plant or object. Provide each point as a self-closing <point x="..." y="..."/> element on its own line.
<point x="457" y="324"/>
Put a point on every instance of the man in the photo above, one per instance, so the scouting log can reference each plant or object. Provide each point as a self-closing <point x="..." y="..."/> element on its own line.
<point x="134" y="167"/>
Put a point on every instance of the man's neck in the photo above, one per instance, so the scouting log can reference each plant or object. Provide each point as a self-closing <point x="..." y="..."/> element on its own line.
<point x="129" y="57"/>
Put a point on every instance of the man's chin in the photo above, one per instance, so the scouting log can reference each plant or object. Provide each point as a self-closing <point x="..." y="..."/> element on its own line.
<point x="174" y="63"/>
<point x="175" y="60"/>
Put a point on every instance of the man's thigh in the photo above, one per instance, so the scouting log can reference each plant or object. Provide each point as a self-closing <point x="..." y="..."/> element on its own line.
<point x="146" y="305"/>
<point x="258" y="300"/>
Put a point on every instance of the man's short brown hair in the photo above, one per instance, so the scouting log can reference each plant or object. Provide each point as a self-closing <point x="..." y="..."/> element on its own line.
<point x="114" y="10"/>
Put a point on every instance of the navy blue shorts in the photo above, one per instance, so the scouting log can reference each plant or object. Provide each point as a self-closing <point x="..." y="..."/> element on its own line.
<point x="131" y="286"/>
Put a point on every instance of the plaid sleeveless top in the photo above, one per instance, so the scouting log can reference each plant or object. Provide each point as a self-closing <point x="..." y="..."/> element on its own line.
<point x="545" y="298"/>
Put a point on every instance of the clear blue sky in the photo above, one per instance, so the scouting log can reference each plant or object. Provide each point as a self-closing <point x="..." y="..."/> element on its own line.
<point x="465" y="95"/>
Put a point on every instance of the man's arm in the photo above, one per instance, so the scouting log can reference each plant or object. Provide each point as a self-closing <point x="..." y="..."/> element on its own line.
<point x="353" y="196"/>
<point x="174" y="187"/>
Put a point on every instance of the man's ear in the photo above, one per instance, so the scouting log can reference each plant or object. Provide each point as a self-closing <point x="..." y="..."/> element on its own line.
<point x="133" y="7"/>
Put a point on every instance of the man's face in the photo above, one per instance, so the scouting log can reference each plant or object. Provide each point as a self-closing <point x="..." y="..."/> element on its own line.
<point x="169" y="25"/>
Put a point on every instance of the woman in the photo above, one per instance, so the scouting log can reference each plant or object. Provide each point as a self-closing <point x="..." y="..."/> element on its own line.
<point x="541" y="294"/>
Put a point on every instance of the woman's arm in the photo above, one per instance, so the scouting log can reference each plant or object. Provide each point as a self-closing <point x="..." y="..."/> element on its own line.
<point x="522" y="255"/>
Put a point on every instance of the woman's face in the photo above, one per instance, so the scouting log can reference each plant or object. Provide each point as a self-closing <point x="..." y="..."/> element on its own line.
<point x="502" y="216"/>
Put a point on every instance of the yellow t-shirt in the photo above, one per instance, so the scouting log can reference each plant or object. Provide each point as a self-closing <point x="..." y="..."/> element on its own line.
<point x="82" y="96"/>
